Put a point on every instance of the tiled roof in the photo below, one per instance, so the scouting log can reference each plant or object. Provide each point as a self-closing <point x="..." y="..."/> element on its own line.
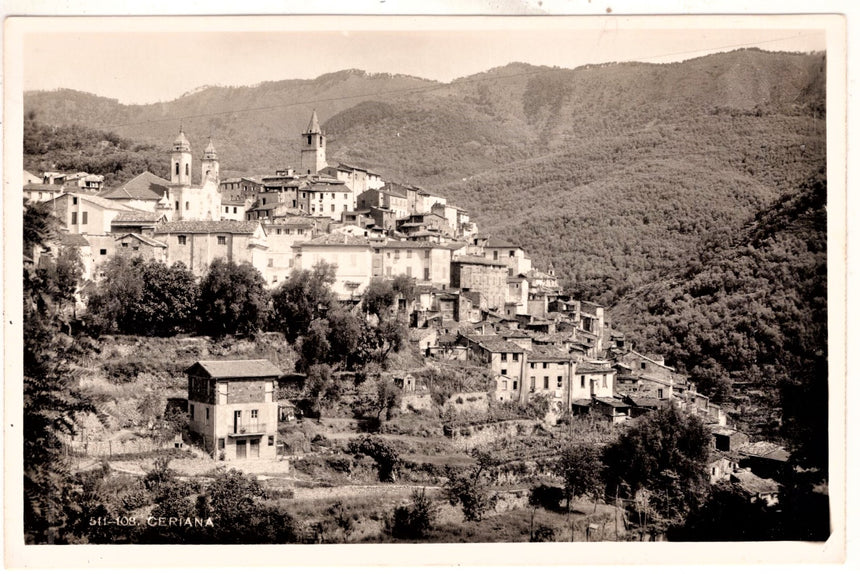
<point x="394" y="190"/>
<point x="338" y="239"/>
<point x="549" y="353"/>
<point x="144" y="239"/>
<point x="496" y="344"/>
<point x="611" y="401"/>
<point x="146" y="186"/>
<point x="239" y="369"/>
<point x="327" y="187"/>
<point x="292" y="221"/>
<point x="137" y="217"/>
<point x="593" y="368"/>
<point x="73" y="240"/>
<point x="43" y="187"/>
<point x="472" y="260"/>
<point x="223" y="226"/>
<point x="100" y="201"/>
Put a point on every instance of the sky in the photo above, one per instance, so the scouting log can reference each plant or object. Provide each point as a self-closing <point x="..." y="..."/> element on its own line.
<point x="141" y="61"/>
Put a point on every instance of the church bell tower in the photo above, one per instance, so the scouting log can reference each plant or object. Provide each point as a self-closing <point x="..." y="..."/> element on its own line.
<point x="313" y="147"/>
<point x="180" y="161"/>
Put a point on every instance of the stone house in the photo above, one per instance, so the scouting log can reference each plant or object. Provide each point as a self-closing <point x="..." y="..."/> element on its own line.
<point x="198" y="243"/>
<point x="426" y="263"/>
<point x="476" y="274"/>
<point x="133" y="245"/>
<point x="352" y="255"/>
<point x="233" y="408"/>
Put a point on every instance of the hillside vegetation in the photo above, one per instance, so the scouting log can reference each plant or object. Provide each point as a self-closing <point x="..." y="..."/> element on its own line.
<point x="609" y="173"/>
<point x="752" y="307"/>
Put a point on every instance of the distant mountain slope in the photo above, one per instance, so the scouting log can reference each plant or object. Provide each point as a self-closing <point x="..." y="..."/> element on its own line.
<point x="611" y="173"/>
<point x="751" y="306"/>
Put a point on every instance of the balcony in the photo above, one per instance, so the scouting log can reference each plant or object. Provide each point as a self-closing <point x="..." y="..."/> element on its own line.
<point x="251" y="429"/>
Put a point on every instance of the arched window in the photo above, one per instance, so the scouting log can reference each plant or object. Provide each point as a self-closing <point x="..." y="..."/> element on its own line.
<point x="177" y="169"/>
<point x="186" y="169"/>
<point x="310" y="137"/>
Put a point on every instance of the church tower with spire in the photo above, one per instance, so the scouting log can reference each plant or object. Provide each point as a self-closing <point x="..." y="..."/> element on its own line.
<point x="180" y="160"/>
<point x="313" y="147"/>
<point x="209" y="165"/>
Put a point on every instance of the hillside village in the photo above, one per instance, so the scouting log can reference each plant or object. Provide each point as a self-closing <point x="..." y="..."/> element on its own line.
<point x="477" y="300"/>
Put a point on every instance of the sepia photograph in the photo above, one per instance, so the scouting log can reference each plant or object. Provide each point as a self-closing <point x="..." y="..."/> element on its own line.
<point x="415" y="281"/>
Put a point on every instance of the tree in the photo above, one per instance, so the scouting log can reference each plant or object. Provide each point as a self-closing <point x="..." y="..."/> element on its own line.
<point x="303" y="297"/>
<point x="168" y="300"/>
<point x="468" y="489"/>
<point x="381" y="451"/>
<point x="40" y="226"/>
<point x="387" y="398"/>
<point x="413" y="522"/>
<point x="321" y="387"/>
<point x="233" y="299"/>
<point x="234" y="502"/>
<point x="665" y="452"/>
<point x="52" y="398"/>
<point x="112" y="303"/>
<point x="315" y="347"/>
<point x="378" y="297"/>
<point x="581" y="468"/>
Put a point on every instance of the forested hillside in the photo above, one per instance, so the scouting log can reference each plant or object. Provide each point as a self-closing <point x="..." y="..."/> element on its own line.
<point x="751" y="307"/>
<point x="74" y="148"/>
<point x="610" y="172"/>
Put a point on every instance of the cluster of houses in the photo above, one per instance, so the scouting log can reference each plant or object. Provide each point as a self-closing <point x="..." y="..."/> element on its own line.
<point x="477" y="298"/>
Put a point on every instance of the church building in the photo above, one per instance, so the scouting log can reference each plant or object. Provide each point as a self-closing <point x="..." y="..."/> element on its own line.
<point x="191" y="202"/>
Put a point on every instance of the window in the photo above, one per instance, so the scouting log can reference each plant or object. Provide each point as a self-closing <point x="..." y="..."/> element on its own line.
<point x="544" y="365"/>
<point x="515" y="384"/>
<point x="409" y="271"/>
<point x="254" y="413"/>
<point x="279" y="231"/>
<point x="560" y="382"/>
<point x="84" y="218"/>
<point x="191" y="411"/>
<point x="604" y="381"/>
<point x="186" y="169"/>
<point x="531" y="365"/>
<point x="226" y="209"/>
<point x="102" y="251"/>
<point x="177" y="168"/>
<point x="74" y="218"/>
<point x="222" y="240"/>
<point x="235" y="210"/>
<point x="309" y="141"/>
<point x="207" y="413"/>
<point x="504" y="384"/>
<point x="271" y="440"/>
<point x="180" y="239"/>
<point x="264" y="201"/>
<point x="221" y="443"/>
<point x="495" y="255"/>
<point x="582" y="382"/>
<point x="332" y="207"/>
<point x="408" y="254"/>
<point x="177" y="206"/>
<point x="271" y="262"/>
<point x="659" y="393"/>
<point x="510" y="253"/>
<point x="187" y="205"/>
<point x="546" y="382"/>
<point x="426" y="274"/>
<point x="504" y="371"/>
<point x="397" y="254"/>
<point x="74" y="200"/>
<point x="345" y="196"/>
<point x="505" y="357"/>
<point x="516" y="357"/>
<point x="125" y="243"/>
